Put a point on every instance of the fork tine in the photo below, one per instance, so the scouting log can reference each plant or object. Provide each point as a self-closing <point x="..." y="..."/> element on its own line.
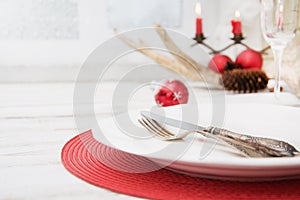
<point x="159" y="128"/>
<point x="145" y="125"/>
<point x="155" y="128"/>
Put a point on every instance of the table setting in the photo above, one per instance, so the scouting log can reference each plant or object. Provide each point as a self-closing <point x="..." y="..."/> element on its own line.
<point x="243" y="134"/>
<point x="159" y="113"/>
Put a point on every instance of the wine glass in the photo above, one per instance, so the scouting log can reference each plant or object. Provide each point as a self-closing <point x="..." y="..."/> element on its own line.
<point x="279" y="20"/>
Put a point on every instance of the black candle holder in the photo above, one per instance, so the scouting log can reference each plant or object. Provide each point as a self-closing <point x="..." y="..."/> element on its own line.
<point x="237" y="39"/>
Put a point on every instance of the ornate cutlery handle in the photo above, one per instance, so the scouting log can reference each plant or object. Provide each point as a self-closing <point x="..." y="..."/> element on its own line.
<point x="264" y="146"/>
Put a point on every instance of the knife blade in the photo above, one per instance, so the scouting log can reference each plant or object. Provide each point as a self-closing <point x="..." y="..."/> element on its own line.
<point x="172" y="122"/>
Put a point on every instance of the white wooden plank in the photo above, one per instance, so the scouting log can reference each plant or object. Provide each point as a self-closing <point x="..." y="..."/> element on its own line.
<point x="36" y="120"/>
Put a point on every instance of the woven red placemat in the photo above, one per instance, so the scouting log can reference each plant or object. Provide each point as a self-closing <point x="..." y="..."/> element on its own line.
<point x="162" y="183"/>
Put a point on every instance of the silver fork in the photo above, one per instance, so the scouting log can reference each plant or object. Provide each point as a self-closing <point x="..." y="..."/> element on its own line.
<point x="249" y="146"/>
<point x="155" y="128"/>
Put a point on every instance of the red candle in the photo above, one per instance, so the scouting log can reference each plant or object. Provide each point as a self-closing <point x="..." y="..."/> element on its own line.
<point x="198" y="26"/>
<point x="236" y="24"/>
<point x="198" y="19"/>
<point x="280" y="17"/>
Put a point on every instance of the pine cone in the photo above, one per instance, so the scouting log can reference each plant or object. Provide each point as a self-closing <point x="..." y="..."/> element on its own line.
<point x="240" y="80"/>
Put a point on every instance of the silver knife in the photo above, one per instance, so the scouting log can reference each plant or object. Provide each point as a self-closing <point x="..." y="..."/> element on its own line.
<point x="172" y="122"/>
<point x="266" y="147"/>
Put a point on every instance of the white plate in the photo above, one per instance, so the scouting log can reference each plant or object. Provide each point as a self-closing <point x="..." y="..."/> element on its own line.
<point x="280" y="122"/>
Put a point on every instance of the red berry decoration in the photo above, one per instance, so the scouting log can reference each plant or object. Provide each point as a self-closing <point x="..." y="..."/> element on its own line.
<point x="249" y="59"/>
<point x="172" y="92"/>
<point x="218" y="63"/>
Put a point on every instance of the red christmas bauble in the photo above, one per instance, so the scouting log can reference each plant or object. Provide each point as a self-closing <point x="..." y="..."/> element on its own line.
<point x="249" y="59"/>
<point x="218" y="63"/>
<point x="172" y="92"/>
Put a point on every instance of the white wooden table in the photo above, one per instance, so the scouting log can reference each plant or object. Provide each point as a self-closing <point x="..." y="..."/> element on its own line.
<point x="36" y="120"/>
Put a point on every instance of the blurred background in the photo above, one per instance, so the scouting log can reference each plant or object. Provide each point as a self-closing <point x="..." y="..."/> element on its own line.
<point x="48" y="40"/>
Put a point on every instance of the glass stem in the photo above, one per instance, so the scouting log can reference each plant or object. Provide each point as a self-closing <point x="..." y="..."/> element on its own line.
<point x="277" y="53"/>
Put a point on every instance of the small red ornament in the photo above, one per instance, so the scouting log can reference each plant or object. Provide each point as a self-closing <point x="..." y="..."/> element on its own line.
<point x="218" y="63"/>
<point x="172" y="92"/>
<point x="249" y="59"/>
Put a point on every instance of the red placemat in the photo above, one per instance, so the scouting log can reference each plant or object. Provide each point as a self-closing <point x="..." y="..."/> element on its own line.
<point x="162" y="183"/>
